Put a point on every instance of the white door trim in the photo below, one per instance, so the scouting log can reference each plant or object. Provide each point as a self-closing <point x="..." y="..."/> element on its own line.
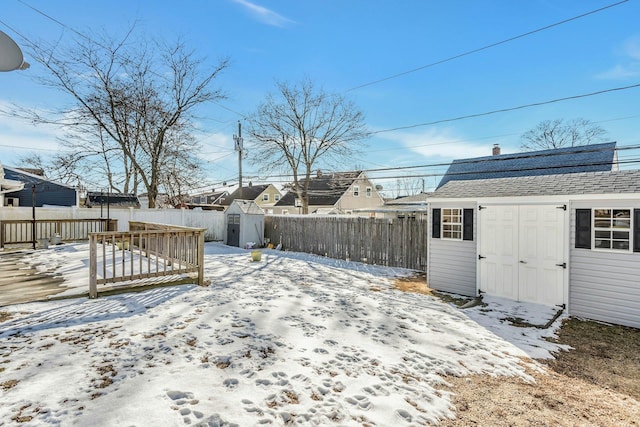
<point x="485" y="269"/>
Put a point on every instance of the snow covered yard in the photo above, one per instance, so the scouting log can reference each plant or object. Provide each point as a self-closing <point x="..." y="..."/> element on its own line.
<point x="292" y="339"/>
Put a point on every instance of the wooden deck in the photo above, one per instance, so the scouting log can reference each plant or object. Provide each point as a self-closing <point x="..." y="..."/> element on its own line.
<point x="21" y="283"/>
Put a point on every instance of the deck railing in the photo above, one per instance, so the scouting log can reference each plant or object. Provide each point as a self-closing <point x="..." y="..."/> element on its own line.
<point x="146" y="251"/>
<point x="23" y="231"/>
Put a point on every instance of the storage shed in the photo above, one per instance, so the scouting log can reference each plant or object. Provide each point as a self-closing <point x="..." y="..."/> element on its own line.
<point x="245" y="224"/>
<point x="569" y="240"/>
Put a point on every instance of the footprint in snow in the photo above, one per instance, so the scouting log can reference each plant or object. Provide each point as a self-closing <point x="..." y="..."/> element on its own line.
<point x="230" y="383"/>
<point x="184" y="401"/>
<point x="360" y="401"/>
<point x="404" y="415"/>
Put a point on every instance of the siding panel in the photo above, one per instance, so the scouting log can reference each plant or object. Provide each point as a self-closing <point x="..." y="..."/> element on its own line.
<point x="453" y="266"/>
<point x="604" y="286"/>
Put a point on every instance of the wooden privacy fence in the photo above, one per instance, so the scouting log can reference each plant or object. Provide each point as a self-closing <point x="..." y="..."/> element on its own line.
<point x="21" y="231"/>
<point x="398" y="242"/>
<point x="145" y="251"/>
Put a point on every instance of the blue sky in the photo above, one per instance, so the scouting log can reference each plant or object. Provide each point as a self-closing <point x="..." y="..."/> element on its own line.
<point x="342" y="45"/>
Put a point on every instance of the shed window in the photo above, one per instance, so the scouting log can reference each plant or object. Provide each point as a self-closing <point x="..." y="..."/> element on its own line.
<point x="452" y="224"/>
<point x="234" y="218"/>
<point x="612" y="229"/>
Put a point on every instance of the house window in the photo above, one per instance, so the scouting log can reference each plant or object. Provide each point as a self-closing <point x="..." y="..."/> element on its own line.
<point x="612" y="229"/>
<point x="276" y="197"/>
<point x="369" y="191"/>
<point x="452" y="224"/>
<point x="265" y="197"/>
<point x="356" y="191"/>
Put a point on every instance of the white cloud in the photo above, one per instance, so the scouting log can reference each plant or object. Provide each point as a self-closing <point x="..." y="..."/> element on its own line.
<point x="438" y="143"/>
<point x="19" y="138"/>
<point x="629" y="65"/>
<point x="631" y="47"/>
<point x="620" y="72"/>
<point x="264" y="15"/>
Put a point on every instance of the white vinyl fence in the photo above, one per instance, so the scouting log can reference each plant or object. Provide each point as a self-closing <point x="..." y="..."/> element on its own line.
<point x="211" y="221"/>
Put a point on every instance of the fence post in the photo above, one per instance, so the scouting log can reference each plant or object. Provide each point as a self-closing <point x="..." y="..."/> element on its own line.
<point x="93" y="267"/>
<point x="1" y="235"/>
<point x="201" y="258"/>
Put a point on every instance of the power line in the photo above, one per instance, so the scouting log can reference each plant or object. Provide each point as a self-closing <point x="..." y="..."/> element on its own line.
<point x="470" y="52"/>
<point x="285" y="178"/>
<point x="504" y="110"/>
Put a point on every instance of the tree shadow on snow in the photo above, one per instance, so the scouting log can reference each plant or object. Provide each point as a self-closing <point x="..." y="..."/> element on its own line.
<point x="85" y="311"/>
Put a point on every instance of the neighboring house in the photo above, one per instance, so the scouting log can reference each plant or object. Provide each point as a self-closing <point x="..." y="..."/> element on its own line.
<point x="587" y="158"/>
<point x="114" y="200"/>
<point x="8" y="186"/>
<point x="265" y="196"/>
<point x="46" y="192"/>
<point x="570" y="240"/>
<point x="335" y="193"/>
<point x="211" y="198"/>
<point x="409" y="206"/>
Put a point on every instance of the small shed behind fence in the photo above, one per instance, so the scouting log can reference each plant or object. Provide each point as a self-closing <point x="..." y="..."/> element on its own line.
<point x="245" y="224"/>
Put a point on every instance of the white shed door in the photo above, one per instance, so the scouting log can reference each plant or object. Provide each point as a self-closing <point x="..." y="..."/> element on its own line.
<point x="523" y="250"/>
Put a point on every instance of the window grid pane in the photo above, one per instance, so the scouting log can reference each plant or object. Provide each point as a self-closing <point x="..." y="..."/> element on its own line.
<point x="612" y="229"/>
<point x="452" y="224"/>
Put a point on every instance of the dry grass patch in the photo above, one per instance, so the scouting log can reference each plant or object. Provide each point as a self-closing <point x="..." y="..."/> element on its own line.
<point x="604" y="355"/>
<point x="7" y="385"/>
<point x="417" y="283"/>
<point x="597" y="383"/>
<point x="553" y="400"/>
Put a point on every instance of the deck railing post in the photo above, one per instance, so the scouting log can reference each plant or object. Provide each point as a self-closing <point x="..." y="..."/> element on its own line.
<point x="201" y="258"/>
<point x="93" y="267"/>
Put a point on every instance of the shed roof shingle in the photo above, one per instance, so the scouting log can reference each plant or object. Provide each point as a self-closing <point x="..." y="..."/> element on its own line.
<point x="611" y="182"/>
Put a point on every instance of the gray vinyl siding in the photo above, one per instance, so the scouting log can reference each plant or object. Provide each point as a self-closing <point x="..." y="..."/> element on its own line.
<point x="604" y="285"/>
<point x="452" y="263"/>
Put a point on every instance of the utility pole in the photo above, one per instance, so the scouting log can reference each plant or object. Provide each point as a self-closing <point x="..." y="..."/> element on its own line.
<point x="238" y="141"/>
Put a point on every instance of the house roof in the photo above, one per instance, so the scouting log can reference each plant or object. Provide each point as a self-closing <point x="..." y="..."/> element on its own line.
<point x="416" y="199"/>
<point x="587" y="158"/>
<point x="212" y="196"/>
<point x="610" y="182"/>
<point x="250" y="192"/>
<point x="324" y="190"/>
<point x="29" y="178"/>
<point x="111" y="199"/>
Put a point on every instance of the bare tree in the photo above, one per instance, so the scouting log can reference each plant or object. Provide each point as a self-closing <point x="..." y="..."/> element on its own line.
<point x="298" y="127"/>
<point x="133" y="106"/>
<point x="407" y="186"/>
<point x="557" y="133"/>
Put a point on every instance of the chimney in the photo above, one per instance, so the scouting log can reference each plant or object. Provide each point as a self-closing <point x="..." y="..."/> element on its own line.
<point x="496" y="149"/>
<point x="319" y="174"/>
